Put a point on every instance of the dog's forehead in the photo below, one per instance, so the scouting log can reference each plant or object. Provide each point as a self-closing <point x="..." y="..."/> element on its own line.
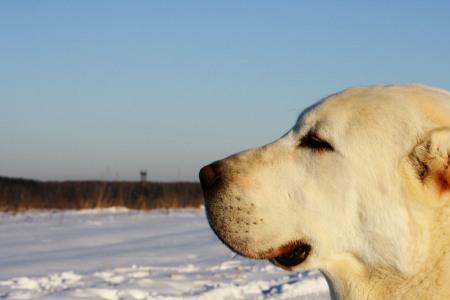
<point x="397" y="105"/>
<point x="332" y="112"/>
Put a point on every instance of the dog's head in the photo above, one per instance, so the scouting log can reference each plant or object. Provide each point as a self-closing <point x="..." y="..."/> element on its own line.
<point x="355" y="177"/>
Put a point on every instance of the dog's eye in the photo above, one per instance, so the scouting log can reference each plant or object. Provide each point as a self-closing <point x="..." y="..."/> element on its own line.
<point x="313" y="142"/>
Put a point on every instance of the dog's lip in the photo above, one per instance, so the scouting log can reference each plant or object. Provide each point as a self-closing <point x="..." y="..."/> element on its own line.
<point x="289" y="255"/>
<point x="286" y="256"/>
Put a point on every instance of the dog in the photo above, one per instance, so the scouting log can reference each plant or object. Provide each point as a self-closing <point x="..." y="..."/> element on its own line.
<point x="359" y="188"/>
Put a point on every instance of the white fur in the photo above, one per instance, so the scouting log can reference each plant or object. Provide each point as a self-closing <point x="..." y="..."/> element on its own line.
<point x="377" y="229"/>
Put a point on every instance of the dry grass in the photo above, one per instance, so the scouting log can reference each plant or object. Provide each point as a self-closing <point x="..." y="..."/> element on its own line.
<point x="23" y="194"/>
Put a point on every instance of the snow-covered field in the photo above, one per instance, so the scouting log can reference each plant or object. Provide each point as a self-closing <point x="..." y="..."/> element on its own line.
<point x="121" y="254"/>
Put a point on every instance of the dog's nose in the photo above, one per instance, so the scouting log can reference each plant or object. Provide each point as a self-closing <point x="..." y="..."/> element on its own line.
<point x="208" y="175"/>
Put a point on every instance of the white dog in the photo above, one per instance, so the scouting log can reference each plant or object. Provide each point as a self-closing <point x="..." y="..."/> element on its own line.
<point x="358" y="188"/>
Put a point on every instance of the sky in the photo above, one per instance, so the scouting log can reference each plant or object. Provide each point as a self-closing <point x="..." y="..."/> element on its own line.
<point x="103" y="89"/>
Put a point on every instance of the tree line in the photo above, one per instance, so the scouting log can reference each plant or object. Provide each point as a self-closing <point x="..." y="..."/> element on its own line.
<point x="18" y="194"/>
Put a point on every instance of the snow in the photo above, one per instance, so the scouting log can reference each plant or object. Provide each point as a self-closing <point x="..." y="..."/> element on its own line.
<point x="123" y="254"/>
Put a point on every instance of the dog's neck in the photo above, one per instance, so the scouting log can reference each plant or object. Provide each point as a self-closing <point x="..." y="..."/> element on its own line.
<point x="428" y="281"/>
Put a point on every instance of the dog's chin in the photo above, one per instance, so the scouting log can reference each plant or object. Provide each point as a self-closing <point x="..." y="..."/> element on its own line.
<point x="287" y="256"/>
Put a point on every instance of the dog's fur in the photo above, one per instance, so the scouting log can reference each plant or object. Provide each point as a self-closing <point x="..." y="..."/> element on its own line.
<point x="375" y="207"/>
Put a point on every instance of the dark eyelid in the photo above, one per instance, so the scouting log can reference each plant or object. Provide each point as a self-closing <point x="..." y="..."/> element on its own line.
<point x="314" y="142"/>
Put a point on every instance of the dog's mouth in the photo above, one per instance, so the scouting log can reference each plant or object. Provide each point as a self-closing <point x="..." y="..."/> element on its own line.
<point x="292" y="255"/>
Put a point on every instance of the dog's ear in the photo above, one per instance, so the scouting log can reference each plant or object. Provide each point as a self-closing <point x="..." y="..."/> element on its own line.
<point x="431" y="159"/>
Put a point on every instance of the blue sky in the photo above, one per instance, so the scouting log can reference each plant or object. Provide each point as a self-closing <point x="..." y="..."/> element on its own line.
<point x="102" y="89"/>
